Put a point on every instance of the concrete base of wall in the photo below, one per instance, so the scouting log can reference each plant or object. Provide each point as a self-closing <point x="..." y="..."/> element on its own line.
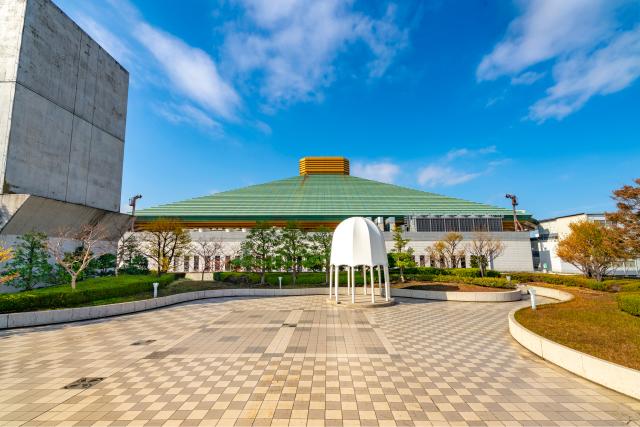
<point x="611" y="375"/>
<point x="23" y="213"/>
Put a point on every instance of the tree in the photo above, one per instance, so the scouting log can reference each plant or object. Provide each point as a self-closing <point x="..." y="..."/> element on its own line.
<point x="484" y="248"/>
<point x="5" y="255"/>
<point x="437" y="252"/>
<point x="162" y="241"/>
<point x="451" y="253"/>
<point x="593" y="248"/>
<point x="92" y="241"/>
<point x="258" y="249"/>
<point x="207" y="249"/>
<point x="402" y="255"/>
<point x="320" y="249"/>
<point x="30" y="263"/>
<point x="627" y="218"/>
<point x="127" y="250"/>
<point x="292" y="247"/>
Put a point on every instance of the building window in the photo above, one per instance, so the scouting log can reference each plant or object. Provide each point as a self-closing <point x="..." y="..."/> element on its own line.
<point x="421" y="260"/>
<point x="217" y="263"/>
<point x="227" y="263"/>
<point x="463" y="261"/>
<point x="186" y="264"/>
<point x="207" y="263"/>
<point x="196" y="263"/>
<point x="175" y="264"/>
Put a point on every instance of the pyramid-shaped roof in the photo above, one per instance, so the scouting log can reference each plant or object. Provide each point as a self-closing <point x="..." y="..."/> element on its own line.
<point x="317" y="198"/>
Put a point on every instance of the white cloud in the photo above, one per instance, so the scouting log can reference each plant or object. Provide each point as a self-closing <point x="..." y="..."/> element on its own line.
<point x="377" y="171"/>
<point x="469" y="152"/>
<point x="590" y="53"/>
<point x="190" y="70"/>
<point x="434" y="175"/>
<point x="292" y="45"/>
<point x="186" y="114"/>
<point x="459" y="166"/>
<point x="546" y="29"/>
<point x="577" y="79"/>
<point x="526" y="78"/>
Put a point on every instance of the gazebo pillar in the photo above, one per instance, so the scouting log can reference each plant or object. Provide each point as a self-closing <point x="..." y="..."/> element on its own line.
<point x="386" y="283"/>
<point x="353" y="285"/>
<point x="373" y="290"/>
<point x="330" y="280"/>
<point x="364" y="279"/>
<point x="337" y="280"/>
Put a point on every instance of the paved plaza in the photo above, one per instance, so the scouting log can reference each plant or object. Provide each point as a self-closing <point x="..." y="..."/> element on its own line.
<point x="295" y="361"/>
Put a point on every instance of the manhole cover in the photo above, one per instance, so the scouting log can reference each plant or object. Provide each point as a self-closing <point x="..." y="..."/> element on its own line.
<point x="84" y="382"/>
<point x="143" y="342"/>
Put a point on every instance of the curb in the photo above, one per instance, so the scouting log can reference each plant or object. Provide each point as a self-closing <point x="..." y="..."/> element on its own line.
<point x="608" y="374"/>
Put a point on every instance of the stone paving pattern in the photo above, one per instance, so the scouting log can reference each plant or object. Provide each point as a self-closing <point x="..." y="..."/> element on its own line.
<point x="295" y="361"/>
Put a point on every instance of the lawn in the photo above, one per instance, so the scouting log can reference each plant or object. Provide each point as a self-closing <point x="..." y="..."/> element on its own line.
<point x="592" y="323"/>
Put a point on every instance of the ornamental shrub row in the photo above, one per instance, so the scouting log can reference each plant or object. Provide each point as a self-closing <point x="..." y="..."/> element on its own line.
<point x="461" y="272"/>
<point x="490" y="282"/>
<point x="629" y="302"/>
<point x="87" y="291"/>
<point x="556" y="279"/>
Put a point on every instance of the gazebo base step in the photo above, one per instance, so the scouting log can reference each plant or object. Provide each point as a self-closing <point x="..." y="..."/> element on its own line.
<point x="362" y="301"/>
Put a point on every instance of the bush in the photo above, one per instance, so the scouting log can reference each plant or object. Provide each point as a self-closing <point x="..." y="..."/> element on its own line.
<point x="461" y="272"/>
<point x="555" y="279"/>
<point x="629" y="302"/>
<point x="490" y="282"/>
<point x="88" y="291"/>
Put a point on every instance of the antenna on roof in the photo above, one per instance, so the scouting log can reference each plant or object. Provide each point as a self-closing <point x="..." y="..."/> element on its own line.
<point x="514" y="202"/>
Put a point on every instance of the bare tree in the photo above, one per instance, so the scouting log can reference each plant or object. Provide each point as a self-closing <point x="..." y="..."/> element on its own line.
<point x="162" y="241"/>
<point x="447" y="250"/>
<point x="92" y="242"/>
<point x="485" y="248"/>
<point x="207" y="249"/>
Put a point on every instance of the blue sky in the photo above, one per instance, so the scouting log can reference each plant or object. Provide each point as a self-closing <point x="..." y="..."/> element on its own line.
<point x="468" y="99"/>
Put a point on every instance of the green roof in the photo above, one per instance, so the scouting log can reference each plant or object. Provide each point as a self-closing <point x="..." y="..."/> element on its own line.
<point x="318" y="198"/>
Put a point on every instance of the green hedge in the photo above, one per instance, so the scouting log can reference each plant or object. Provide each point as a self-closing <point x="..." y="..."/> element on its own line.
<point x="87" y="291"/>
<point x="490" y="282"/>
<point x="556" y="279"/>
<point x="247" y="278"/>
<point x="629" y="302"/>
<point x="461" y="272"/>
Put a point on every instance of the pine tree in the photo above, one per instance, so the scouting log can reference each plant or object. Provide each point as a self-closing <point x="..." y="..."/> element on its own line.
<point x="30" y="263"/>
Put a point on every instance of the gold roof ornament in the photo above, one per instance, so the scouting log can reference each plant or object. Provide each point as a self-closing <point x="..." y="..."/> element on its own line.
<point x="324" y="166"/>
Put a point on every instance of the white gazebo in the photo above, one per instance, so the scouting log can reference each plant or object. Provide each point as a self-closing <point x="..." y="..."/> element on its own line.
<point x="358" y="242"/>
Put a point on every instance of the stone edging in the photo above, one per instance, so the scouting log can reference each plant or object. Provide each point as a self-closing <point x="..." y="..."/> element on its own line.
<point x="48" y="317"/>
<point x="507" y="296"/>
<point x="611" y="375"/>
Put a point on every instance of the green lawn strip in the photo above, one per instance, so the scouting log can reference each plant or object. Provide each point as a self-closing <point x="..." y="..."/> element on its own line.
<point x="591" y="323"/>
<point x="87" y="291"/>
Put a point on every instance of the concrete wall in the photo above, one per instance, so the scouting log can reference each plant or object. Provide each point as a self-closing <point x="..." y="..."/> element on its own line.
<point x="63" y="105"/>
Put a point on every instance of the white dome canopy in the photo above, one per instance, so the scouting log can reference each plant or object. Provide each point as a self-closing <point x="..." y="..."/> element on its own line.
<point x="358" y="241"/>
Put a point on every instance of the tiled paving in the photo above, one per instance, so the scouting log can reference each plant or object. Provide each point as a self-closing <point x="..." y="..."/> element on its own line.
<point x="295" y="361"/>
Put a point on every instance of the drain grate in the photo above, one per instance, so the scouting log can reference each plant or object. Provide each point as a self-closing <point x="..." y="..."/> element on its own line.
<point x="83" y="383"/>
<point x="289" y="325"/>
<point x="143" y="342"/>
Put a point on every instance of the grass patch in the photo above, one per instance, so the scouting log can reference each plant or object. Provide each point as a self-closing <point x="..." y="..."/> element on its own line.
<point x="591" y="323"/>
<point x="88" y="292"/>
<point x="629" y="302"/>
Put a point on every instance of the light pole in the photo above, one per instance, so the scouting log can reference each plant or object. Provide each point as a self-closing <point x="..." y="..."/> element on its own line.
<point x="132" y="203"/>
<point x="514" y="202"/>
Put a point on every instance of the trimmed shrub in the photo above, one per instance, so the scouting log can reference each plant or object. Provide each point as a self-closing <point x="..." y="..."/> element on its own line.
<point x="556" y="279"/>
<point x="462" y="272"/>
<point x="88" y="291"/>
<point x="490" y="282"/>
<point x="630" y="303"/>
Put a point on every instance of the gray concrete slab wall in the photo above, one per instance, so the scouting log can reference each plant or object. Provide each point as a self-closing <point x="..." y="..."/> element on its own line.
<point x="64" y="105"/>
